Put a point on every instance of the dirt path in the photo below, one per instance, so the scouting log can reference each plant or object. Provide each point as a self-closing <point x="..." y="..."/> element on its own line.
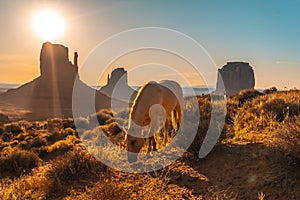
<point x="243" y="171"/>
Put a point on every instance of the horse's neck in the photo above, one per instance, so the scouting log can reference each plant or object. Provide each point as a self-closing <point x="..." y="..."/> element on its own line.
<point x="138" y="115"/>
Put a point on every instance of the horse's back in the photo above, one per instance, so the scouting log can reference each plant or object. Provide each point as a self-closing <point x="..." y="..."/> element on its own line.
<point x="159" y="92"/>
<point x="174" y="87"/>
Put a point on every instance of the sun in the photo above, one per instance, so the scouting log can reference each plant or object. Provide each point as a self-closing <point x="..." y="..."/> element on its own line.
<point x="48" y="25"/>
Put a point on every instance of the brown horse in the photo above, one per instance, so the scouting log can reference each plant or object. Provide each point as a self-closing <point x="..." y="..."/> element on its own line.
<point x="154" y="101"/>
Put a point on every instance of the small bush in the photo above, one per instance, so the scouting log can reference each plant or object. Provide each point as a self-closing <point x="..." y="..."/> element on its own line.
<point x="246" y="95"/>
<point x="82" y="124"/>
<point x="109" y="190"/>
<point x="6" y="136"/>
<point x="55" y="136"/>
<point x="270" y="90"/>
<point x="71" y="166"/>
<point x="288" y="138"/>
<point x="14" y="128"/>
<point x="19" y="160"/>
<point x="278" y="107"/>
<point x="54" y="125"/>
<point x="37" y="142"/>
<point x="112" y="128"/>
<point x="60" y="146"/>
<point x="68" y="123"/>
<point x="102" y="116"/>
<point x="70" y="131"/>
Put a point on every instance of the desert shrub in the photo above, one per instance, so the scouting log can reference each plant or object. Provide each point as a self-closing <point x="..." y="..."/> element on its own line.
<point x="74" y="165"/>
<point x="102" y="117"/>
<point x="7" y="150"/>
<point x="60" y="146"/>
<point x="19" y="160"/>
<point x="25" y="125"/>
<point x="270" y="90"/>
<point x="37" y="125"/>
<point x="6" y="136"/>
<point x="56" y="136"/>
<point x="70" y="131"/>
<point x="139" y="186"/>
<point x="29" y="137"/>
<point x="81" y="124"/>
<point x="14" y="143"/>
<point x="14" y="128"/>
<point x="87" y="135"/>
<point x="4" y="145"/>
<point x="276" y="106"/>
<point x="258" y="119"/>
<point x="23" y="145"/>
<point x="112" y="128"/>
<point x="109" y="190"/>
<point x="37" y="142"/>
<point x="22" y="136"/>
<point x="246" y="95"/>
<point x="54" y="125"/>
<point x="97" y="135"/>
<point x="68" y="123"/>
<point x="288" y="138"/>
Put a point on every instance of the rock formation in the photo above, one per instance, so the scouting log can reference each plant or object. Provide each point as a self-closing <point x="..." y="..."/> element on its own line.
<point x="50" y="95"/>
<point x="236" y="76"/>
<point x="117" y="86"/>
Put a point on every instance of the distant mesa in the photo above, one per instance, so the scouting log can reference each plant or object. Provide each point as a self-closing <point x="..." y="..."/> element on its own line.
<point x="117" y="86"/>
<point x="50" y="95"/>
<point x="236" y="76"/>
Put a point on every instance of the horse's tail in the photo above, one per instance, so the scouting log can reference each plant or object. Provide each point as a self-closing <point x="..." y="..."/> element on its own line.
<point x="177" y="117"/>
<point x="179" y="109"/>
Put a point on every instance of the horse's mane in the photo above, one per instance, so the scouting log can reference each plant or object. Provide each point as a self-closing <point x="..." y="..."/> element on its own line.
<point x="138" y="96"/>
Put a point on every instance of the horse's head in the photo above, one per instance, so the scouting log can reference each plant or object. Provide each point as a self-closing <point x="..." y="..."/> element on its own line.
<point x="134" y="144"/>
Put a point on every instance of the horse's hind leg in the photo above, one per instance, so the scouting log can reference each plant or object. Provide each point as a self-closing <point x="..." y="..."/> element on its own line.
<point x="166" y="130"/>
<point x="179" y="117"/>
<point x="149" y="146"/>
<point x="153" y="143"/>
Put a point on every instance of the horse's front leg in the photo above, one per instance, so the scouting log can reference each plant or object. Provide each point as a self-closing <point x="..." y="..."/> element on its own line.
<point x="151" y="133"/>
<point x="154" y="143"/>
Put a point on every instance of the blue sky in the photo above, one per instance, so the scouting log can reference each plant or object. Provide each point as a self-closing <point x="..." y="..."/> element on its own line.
<point x="264" y="33"/>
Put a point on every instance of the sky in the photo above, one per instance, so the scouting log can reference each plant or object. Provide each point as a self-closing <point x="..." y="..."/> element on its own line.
<point x="263" y="33"/>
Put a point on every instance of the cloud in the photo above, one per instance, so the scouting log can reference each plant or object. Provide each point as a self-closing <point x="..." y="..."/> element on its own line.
<point x="285" y="62"/>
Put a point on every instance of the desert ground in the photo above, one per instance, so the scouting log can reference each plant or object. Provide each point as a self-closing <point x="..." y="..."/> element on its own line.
<point x="256" y="157"/>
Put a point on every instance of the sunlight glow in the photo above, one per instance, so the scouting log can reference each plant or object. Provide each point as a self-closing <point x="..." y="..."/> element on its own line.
<point x="48" y="25"/>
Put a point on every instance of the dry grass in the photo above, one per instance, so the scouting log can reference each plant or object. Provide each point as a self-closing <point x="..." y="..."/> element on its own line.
<point x="46" y="160"/>
<point x="258" y="119"/>
<point x="19" y="161"/>
<point x="288" y="138"/>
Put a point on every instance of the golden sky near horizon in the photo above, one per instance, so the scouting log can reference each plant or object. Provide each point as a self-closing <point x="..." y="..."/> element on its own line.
<point x="261" y="35"/>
